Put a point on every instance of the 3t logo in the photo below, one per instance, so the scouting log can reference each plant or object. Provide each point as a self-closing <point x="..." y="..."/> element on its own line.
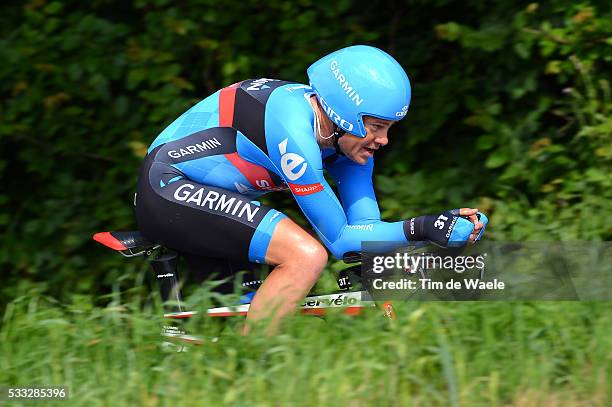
<point x="290" y="162"/>
<point x="439" y="223"/>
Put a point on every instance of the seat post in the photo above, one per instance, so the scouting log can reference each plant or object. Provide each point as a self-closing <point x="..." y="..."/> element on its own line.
<point x="165" y="266"/>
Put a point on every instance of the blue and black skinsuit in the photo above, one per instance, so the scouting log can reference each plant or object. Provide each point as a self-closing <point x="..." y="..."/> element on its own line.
<point x="200" y="180"/>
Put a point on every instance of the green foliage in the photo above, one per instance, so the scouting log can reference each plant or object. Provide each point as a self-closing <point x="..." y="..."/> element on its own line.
<point x="511" y="112"/>
<point x="532" y="143"/>
<point x="470" y="354"/>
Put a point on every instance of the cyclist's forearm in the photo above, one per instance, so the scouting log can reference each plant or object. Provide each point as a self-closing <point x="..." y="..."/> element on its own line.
<point x="352" y="236"/>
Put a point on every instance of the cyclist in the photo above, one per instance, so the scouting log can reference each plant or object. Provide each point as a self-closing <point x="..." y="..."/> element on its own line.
<point x="201" y="176"/>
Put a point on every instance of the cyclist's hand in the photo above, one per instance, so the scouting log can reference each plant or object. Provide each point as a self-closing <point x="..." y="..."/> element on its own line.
<point x="452" y="228"/>
<point x="472" y="216"/>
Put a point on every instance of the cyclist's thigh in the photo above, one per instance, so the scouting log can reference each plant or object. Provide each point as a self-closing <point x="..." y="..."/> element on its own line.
<point x="203" y="220"/>
<point x="290" y="242"/>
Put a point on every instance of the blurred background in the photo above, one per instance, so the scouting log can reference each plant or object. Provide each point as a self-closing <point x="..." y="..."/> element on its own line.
<point x="510" y="113"/>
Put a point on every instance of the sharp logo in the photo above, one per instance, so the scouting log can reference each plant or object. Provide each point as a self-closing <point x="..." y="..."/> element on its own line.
<point x="306" y="189"/>
<point x="195" y="148"/>
<point x="216" y="202"/>
<point x="259" y="84"/>
<point x="346" y="125"/>
<point x="345" y="85"/>
<point x="293" y="165"/>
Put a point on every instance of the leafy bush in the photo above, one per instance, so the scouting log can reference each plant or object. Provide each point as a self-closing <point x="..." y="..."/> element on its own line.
<point x="511" y="112"/>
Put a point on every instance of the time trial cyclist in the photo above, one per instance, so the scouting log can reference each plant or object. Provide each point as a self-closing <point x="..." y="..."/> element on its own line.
<point x="202" y="175"/>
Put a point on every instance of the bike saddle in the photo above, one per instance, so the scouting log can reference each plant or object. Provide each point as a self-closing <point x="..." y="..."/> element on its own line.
<point x="131" y="243"/>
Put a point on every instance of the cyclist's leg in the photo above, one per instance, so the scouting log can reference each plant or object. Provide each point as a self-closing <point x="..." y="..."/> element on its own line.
<point x="299" y="260"/>
<point x="209" y="221"/>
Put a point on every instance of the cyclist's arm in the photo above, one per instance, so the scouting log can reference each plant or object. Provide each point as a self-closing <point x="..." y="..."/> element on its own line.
<point x="295" y="154"/>
<point x="354" y="185"/>
<point x="356" y="191"/>
<point x="321" y="206"/>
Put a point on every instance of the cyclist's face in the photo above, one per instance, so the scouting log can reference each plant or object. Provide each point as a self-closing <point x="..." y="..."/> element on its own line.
<point x="361" y="149"/>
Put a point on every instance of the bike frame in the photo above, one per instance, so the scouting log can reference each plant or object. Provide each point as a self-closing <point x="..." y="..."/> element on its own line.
<point x="165" y="267"/>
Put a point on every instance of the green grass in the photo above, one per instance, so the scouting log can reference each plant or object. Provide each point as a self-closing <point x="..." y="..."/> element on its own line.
<point x="435" y="354"/>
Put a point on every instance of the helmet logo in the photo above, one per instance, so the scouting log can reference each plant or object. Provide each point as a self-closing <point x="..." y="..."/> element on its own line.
<point x="291" y="161"/>
<point x="335" y="117"/>
<point x="344" y="84"/>
<point x="403" y="112"/>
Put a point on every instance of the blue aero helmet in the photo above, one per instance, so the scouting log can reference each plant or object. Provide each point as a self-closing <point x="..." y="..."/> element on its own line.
<point x="360" y="81"/>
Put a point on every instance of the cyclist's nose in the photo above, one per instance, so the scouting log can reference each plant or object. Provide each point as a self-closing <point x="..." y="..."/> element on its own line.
<point x="382" y="139"/>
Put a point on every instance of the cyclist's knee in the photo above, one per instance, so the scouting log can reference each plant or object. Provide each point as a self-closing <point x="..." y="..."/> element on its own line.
<point x="312" y="254"/>
<point x="292" y="245"/>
